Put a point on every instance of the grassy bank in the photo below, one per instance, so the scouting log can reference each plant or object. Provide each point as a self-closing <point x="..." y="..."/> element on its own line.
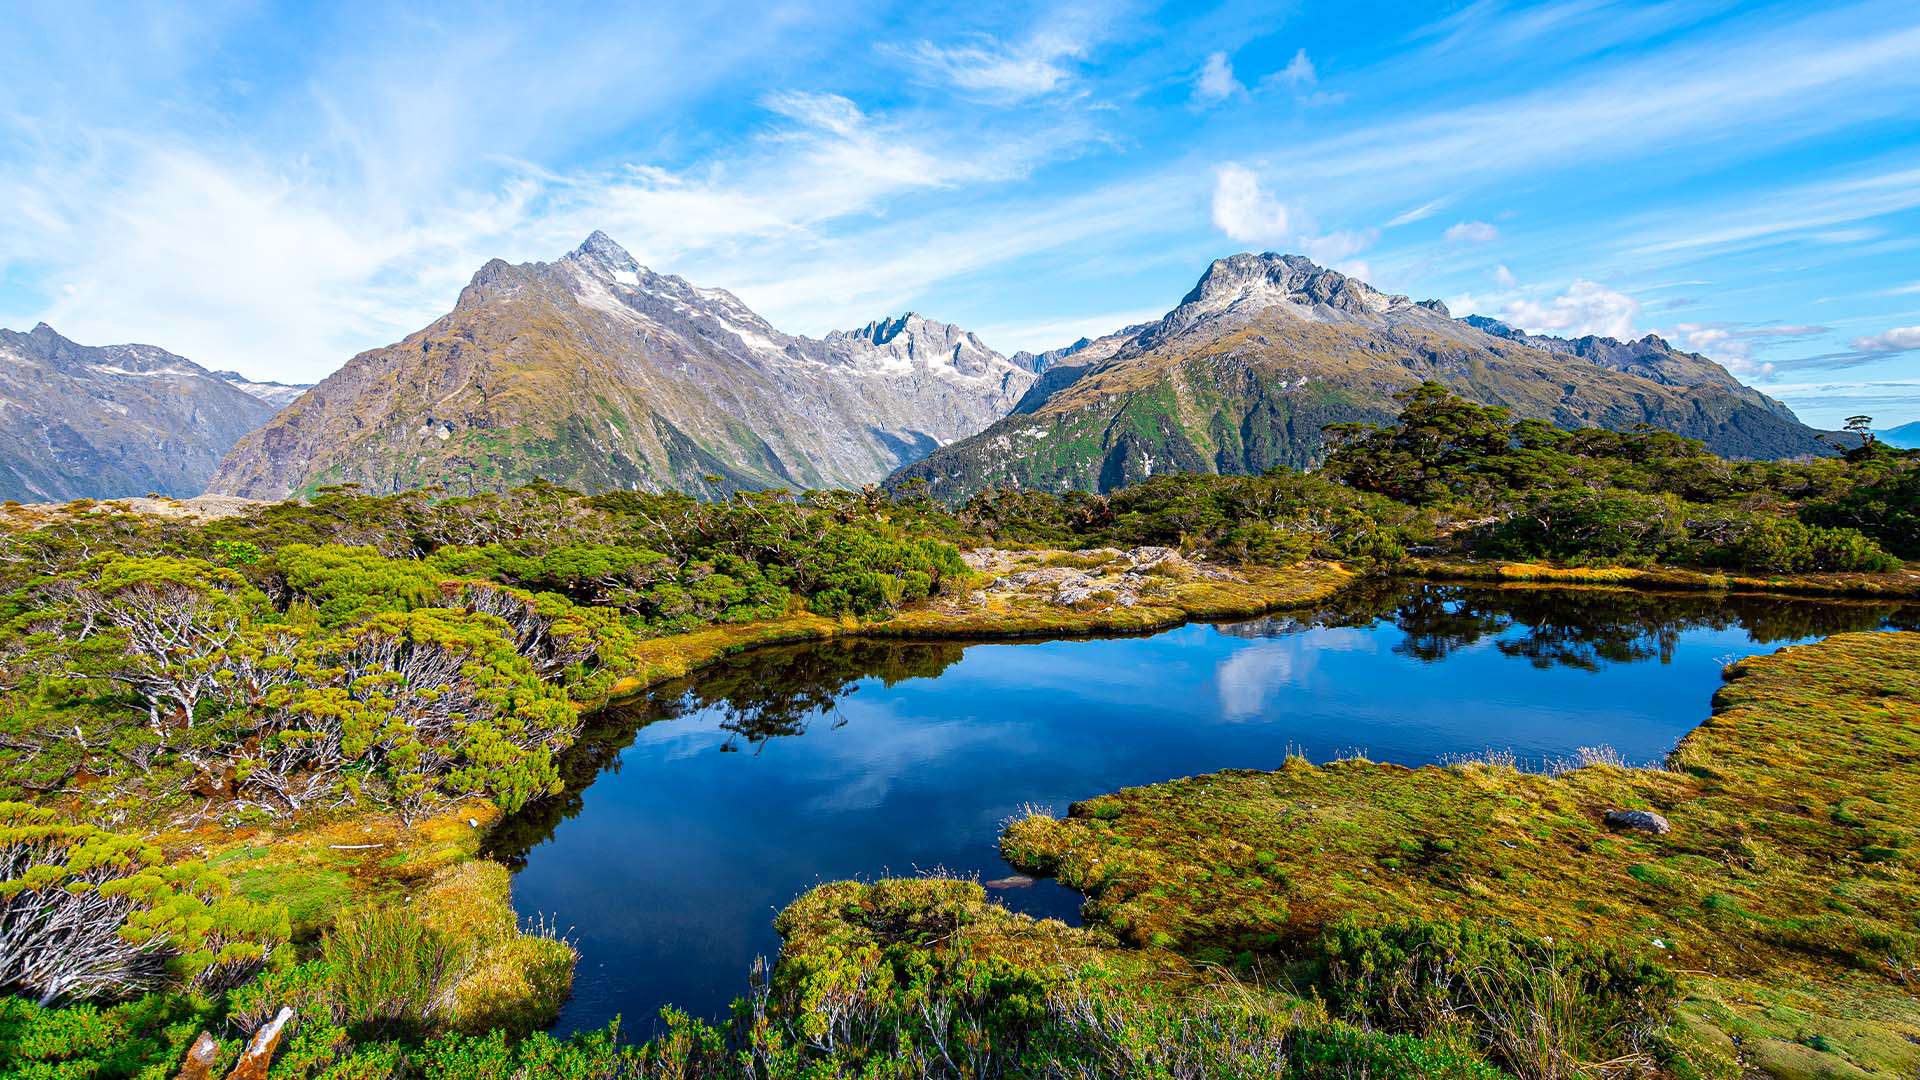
<point x="988" y="613"/>
<point x="1896" y="584"/>
<point x="1786" y="892"/>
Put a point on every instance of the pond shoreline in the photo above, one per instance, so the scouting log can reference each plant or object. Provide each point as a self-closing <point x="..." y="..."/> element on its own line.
<point x="461" y="835"/>
<point x="1262" y="591"/>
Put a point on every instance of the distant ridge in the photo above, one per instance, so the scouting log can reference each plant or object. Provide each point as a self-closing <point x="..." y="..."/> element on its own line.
<point x="111" y="421"/>
<point x="1905" y="437"/>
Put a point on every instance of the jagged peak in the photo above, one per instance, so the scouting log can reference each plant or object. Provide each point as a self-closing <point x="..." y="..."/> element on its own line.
<point x="1487" y="324"/>
<point x="914" y="324"/>
<point x="881" y="331"/>
<point x="1271" y="277"/>
<point x="44" y="337"/>
<point x="1581" y="344"/>
<point x="599" y="245"/>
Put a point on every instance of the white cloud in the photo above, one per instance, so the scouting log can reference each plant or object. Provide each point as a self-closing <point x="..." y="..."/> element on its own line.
<point x="1898" y="339"/>
<point x="1471" y="232"/>
<point x="1299" y="77"/>
<point x="1044" y="334"/>
<point x="1504" y="278"/>
<point x="1587" y="307"/>
<point x="1243" y="211"/>
<point x="1216" y="81"/>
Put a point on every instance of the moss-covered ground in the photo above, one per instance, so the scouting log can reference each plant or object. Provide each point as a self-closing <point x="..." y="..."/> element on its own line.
<point x="1787" y="892"/>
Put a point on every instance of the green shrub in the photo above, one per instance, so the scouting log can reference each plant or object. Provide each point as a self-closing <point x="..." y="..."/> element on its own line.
<point x="1543" y="1009"/>
<point x="146" y="1038"/>
<point x="1786" y="546"/>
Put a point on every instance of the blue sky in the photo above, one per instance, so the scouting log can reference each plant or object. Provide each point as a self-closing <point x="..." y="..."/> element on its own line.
<point x="273" y="188"/>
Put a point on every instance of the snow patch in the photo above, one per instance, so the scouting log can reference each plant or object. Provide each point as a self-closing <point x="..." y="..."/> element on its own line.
<point x="105" y="369"/>
<point x="755" y="341"/>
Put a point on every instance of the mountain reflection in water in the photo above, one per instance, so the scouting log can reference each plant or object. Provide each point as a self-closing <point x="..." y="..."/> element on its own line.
<point x="692" y="813"/>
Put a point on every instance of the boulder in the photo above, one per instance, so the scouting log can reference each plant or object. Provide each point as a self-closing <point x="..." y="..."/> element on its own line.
<point x="1645" y="821"/>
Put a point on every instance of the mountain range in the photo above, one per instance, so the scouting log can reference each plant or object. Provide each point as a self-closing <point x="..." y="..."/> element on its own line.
<point x="1266" y="349"/>
<point x="1905" y="437"/>
<point x="596" y="372"/>
<point x="108" y="421"/>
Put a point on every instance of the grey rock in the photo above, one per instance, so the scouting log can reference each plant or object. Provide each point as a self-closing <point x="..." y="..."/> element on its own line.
<point x="1645" y="821"/>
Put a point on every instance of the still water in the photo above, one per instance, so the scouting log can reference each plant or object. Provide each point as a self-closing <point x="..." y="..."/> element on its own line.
<point x="697" y="812"/>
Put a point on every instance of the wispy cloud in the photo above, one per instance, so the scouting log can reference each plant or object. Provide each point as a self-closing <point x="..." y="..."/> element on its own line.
<point x="1736" y="344"/>
<point x="1418" y="213"/>
<point x="996" y="69"/>
<point x="1298" y="74"/>
<point x="1494" y="28"/>
<point x="1043" y="334"/>
<point x="1891" y="401"/>
<point x="1794" y="211"/>
<point x="1695" y="96"/>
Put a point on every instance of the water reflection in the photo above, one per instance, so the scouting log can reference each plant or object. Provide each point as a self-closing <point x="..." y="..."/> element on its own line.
<point x="693" y="813"/>
<point x="1577" y="627"/>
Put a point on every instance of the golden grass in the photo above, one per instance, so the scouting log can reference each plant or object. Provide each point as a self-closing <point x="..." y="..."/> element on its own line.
<point x="1902" y="583"/>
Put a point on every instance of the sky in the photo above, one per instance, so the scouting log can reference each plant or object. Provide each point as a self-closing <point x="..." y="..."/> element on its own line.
<point x="272" y="189"/>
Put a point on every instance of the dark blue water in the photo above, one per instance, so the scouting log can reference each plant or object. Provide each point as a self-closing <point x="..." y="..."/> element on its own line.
<point x="697" y="813"/>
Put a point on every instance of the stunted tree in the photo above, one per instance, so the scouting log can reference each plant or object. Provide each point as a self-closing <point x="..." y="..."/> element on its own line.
<point x="1442" y="447"/>
<point x="437" y="702"/>
<point x="1861" y="426"/>
<point x="164" y="627"/>
<point x="86" y="913"/>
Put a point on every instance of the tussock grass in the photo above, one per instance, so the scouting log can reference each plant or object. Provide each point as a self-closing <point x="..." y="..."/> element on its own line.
<point x="1794" y="860"/>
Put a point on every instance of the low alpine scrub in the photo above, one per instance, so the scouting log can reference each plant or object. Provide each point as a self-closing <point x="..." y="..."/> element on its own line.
<point x="86" y="913"/>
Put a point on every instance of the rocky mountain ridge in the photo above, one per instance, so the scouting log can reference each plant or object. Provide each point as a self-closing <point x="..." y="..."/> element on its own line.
<point x="1266" y="349"/>
<point x="598" y="372"/>
<point x="106" y="421"/>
